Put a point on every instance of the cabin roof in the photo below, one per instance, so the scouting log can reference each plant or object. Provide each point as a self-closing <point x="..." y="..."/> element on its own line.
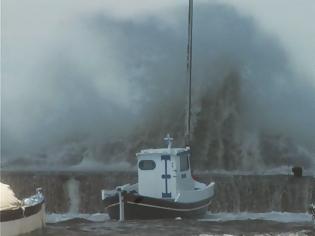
<point x="164" y="151"/>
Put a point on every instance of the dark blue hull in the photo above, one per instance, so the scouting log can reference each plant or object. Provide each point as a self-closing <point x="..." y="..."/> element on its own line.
<point x="142" y="207"/>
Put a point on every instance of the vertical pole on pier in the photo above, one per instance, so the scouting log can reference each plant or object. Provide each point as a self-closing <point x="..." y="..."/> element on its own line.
<point x="312" y="212"/>
<point x="189" y="65"/>
<point x="121" y="206"/>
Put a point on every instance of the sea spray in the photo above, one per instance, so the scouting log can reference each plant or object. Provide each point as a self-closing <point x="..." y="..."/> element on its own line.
<point x="114" y="95"/>
<point x="73" y="188"/>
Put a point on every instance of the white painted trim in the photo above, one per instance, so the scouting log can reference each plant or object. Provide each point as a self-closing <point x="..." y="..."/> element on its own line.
<point x="160" y="207"/>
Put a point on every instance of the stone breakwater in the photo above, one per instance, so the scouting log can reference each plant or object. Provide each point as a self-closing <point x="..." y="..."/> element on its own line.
<point x="81" y="191"/>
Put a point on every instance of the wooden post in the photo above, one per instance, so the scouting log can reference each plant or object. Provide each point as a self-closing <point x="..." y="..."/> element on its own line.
<point x="121" y="205"/>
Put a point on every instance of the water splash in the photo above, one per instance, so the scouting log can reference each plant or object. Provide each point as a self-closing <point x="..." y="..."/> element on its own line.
<point x="57" y="218"/>
<point x="73" y="188"/>
<point x="111" y="95"/>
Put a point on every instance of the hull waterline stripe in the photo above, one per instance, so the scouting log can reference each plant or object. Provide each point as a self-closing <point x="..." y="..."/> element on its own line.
<point x="160" y="207"/>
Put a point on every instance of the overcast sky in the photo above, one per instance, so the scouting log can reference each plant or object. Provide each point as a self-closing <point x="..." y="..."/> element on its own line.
<point x="291" y="21"/>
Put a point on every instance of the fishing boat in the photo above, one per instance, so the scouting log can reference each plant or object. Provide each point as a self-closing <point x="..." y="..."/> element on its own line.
<point x="165" y="187"/>
<point x="21" y="217"/>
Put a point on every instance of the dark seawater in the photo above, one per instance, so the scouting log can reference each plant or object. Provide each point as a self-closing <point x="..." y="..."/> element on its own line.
<point x="213" y="224"/>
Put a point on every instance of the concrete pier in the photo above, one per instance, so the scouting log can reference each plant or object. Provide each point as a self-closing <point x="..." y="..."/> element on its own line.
<point x="233" y="193"/>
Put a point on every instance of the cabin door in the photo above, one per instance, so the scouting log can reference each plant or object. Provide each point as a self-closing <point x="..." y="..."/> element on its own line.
<point x="168" y="181"/>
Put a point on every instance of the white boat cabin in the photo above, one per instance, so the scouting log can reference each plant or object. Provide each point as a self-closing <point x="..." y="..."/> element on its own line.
<point x="165" y="173"/>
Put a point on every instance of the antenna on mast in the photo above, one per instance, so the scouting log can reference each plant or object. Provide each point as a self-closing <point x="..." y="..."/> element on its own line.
<point x="189" y="65"/>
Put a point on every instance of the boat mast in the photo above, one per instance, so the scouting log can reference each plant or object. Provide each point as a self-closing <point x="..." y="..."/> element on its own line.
<point x="189" y="65"/>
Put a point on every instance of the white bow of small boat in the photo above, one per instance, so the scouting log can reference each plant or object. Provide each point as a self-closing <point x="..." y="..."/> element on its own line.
<point x="21" y="217"/>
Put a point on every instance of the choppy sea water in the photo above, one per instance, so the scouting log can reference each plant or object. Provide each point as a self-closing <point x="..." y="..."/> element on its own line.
<point x="227" y="224"/>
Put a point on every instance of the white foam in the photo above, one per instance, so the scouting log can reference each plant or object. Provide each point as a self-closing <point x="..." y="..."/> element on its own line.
<point x="57" y="218"/>
<point x="283" y="217"/>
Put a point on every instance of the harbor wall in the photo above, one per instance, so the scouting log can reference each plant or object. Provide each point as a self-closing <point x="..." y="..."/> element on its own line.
<point x="81" y="191"/>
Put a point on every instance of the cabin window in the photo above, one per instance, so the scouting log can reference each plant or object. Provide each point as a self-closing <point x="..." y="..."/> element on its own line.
<point x="184" y="163"/>
<point x="147" y="165"/>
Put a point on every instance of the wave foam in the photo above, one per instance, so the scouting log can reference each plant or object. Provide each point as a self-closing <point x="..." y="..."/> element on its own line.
<point x="57" y="218"/>
<point x="282" y="217"/>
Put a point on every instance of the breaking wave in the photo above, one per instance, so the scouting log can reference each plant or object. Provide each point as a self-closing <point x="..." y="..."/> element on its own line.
<point x="121" y="88"/>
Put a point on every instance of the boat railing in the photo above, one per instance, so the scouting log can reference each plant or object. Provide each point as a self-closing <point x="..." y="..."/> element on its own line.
<point x="125" y="188"/>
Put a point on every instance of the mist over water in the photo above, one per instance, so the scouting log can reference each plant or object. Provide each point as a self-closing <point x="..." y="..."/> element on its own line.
<point x="97" y="86"/>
